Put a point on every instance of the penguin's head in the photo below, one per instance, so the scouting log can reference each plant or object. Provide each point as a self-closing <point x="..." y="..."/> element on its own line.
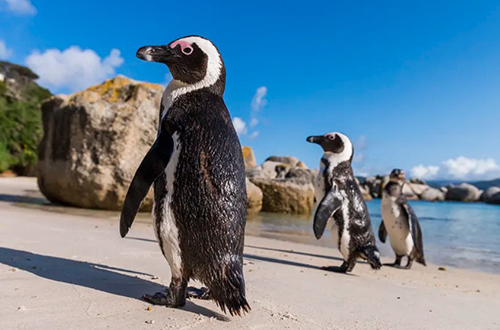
<point x="336" y="144"/>
<point x="191" y="60"/>
<point x="397" y="175"/>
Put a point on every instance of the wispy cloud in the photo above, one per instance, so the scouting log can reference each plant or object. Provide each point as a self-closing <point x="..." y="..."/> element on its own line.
<point x="258" y="103"/>
<point x="462" y="168"/>
<point x="5" y="52"/>
<point x="240" y="126"/>
<point x="73" y="68"/>
<point x="20" y="7"/>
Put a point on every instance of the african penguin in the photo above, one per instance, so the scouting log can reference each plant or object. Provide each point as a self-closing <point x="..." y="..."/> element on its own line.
<point x="197" y="168"/>
<point x="340" y="199"/>
<point x="400" y="222"/>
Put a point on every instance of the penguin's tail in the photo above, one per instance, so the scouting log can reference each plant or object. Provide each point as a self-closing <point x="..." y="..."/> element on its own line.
<point x="228" y="289"/>
<point x="372" y="256"/>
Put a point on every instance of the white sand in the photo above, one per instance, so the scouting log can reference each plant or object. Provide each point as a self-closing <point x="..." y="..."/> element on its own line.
<point x="66" y="271"/>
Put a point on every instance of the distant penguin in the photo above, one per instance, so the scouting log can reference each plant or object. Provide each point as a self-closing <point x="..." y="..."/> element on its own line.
<point x="197" y="168"/>
<point x="400" y="222"/>
<point x="340" y="199"/>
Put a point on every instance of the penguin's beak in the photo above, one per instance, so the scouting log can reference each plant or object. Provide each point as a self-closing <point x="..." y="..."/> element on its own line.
<point x="156" y="53"/>
<point x="315" y="139"/>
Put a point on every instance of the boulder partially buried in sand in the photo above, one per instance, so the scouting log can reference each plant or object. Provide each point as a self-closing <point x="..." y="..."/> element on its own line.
<point x="254" y="199"/>
<point x="94" y="141"/>
<point x="286" y="196"/>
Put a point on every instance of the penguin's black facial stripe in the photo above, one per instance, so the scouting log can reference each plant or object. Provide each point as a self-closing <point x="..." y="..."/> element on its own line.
<point x="333" y="144"/>
<point x="190" y="64"/>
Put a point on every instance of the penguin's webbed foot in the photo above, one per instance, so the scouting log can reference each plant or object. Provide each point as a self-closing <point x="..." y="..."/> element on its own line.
<point x="168" y="299"/>
<point x="198" y="293"/>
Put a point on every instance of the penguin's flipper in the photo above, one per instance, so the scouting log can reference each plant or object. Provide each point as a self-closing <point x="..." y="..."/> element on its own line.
<point x="153" y="164"/>
<point x="382" y="232"/>
<point x="416" y="232"/>
<point x="330" y="203"/>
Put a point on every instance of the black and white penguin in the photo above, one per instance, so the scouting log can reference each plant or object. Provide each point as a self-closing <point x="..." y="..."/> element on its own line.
<point x="340" y="199"/>
<point x="400" y="222"/>
<point x="197" y="168"/>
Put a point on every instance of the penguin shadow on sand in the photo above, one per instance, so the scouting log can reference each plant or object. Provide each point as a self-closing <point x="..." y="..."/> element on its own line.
<point x="113" y="280"/>
<point x="334" y="269"/>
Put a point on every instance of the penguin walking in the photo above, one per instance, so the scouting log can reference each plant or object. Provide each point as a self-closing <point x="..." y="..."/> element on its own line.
<point x="340" y="199"/>
<point x="400" y="222"/>
<point x="197" y="168"/>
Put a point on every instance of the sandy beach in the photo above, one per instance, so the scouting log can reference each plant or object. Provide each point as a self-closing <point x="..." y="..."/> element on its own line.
<point x="69" y="270"/>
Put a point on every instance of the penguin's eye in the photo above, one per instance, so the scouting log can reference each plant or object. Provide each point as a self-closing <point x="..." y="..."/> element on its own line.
<point x="331" y="137"/>
<point x="187" y="50"/>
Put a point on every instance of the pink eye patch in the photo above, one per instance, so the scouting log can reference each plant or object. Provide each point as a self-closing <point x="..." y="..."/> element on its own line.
<point x="186" y="47"/>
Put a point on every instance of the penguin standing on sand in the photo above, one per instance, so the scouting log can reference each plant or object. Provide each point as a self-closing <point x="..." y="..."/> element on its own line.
<point x="400" y="222"/>
<point x="198" y="172"/>
<point x="340" y="199"/>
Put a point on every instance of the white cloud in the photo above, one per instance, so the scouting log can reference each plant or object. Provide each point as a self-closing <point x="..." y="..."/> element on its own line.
<point x="21" y="7"/>
<point x="425" y="172"/>
<point x="462" y="168"/>
<point x="253" y="135"/>
<point x="259" y="99"/>
<point x="5" y="52"/>
<point x="240" y="126"/>
<point x="254" y="122"/>
<point x="73" y="68"/>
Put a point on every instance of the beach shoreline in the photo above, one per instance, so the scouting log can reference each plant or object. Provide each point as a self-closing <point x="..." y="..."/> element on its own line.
<point x="67" y="271"/>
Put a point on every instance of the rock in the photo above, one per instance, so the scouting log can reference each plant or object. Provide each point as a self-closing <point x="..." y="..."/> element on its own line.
<point x="302" y="165"/>
<point x="365" y="192"/>
<point x="258" y="172"/>
<point x="269" y="167"/>
<point x="94" y="141"/>
<point x="495" y="199"/>
<point x="301" y="175"/>
<point x="375" y="185"/>
<point x="489" y="193"/>
<point x="249" y="157"/>
<point x="284" y="159"/>
<point x="254" y="199"/>
<point x="418" y="181"/>
<point x="463" y="193"/>
<point x="286" y="196"/>
<point x="432" y="195"/>
<point x="443" y="189"/>
<point x="282" y="170"/>
<point x="409" y="193"/>
<point x="418" y="188"/>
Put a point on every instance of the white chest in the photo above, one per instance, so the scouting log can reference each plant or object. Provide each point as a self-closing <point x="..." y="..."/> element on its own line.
<point x="396" y="224"/>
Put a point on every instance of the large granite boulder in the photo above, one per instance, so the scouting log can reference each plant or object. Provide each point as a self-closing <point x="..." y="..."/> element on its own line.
<point x="489" y="193"/>
<point x="293" y="161"/>
<point x="249" y="157"/>
<point x="409" y="193"/>
<point x="301" y="175"/>
<point x="365" y="192"/>
<point x="495" y="199"/>
<point x="254" y="199"/>
<point x="432" y="195"/>
<point x="269" y="167"/>
<point x="375" y="184"/>
<point x="94" y="141"/>
<point x="463" y="193"/>
<point x="286" y="196"/>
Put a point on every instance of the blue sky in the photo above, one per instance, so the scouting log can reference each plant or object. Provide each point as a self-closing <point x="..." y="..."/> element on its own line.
<point x="415" y="85"/>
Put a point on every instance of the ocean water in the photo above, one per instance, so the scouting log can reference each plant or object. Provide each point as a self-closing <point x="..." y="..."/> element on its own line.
<point x="463" y="235"/>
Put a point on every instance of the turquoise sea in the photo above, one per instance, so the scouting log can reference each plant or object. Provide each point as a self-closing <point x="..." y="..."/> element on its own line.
<point x="463" y="235"/>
